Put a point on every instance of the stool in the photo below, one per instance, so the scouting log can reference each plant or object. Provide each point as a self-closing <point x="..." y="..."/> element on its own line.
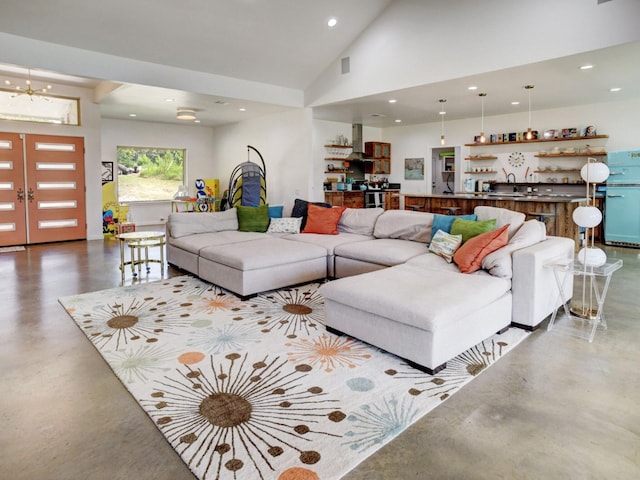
<point x="543" y="217"/>
<point x="451" y="210"/>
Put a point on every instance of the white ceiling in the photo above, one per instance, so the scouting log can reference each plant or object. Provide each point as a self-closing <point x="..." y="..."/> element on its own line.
<point x="287" y="44"/>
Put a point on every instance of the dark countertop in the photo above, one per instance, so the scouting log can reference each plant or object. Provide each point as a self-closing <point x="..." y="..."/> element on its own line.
<point x="519" y="197"/>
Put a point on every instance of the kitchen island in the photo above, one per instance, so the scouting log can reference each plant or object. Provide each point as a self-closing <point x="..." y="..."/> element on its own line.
<point x="555" y="210"/>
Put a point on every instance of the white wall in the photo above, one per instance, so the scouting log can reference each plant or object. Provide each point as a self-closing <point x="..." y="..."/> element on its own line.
<point x="196" y="140"/>
<point x="284" y="140"/>
<point x="616" y="119"/>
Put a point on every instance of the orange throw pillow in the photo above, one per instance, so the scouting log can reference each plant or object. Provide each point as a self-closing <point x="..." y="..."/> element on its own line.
<point x="323" y="220"/>
<point x="469" y="256"/>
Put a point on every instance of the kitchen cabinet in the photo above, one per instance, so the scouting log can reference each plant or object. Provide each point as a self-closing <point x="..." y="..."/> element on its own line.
<point x="349" y="199"/>
<point x="380" y="152"/>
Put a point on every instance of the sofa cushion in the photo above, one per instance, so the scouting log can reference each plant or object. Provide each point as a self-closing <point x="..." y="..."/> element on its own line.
<point x="499" y="263"/>
<point x="470" y="255"/>
<point x="399" y="293"/>
<point x="300" y="208"/>
<point x="182" y="224"/>
<point x="323" y="220"/>
<point x="194" y="243"/>
<point x="444" y="222"/>
<point x="469" y="228"/>
<point x="502" y="216"/>
<point x="329" y="242"/>
<point x="404" y="225"/>
<point x="253" y="219"/>
<point x="429" y="261"/>
<point x="285" y="225"/>
<point x="381" y="251"/>
<point x="263" y="253"/>
<point x="444" y="244"/>
<point x="359" y="220"/>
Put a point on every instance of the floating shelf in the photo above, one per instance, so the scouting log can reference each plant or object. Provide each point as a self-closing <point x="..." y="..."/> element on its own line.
<point x="577" y="154"/>
<point x="539" y="140"/>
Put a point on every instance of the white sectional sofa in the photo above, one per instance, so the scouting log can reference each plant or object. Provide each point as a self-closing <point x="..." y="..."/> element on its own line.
<point x="387" y="288"/>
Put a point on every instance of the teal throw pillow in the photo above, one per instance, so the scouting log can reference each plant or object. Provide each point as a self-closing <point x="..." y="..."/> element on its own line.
<point x="469" y="229"/>
<point x="253" y="219"/>
<point x="275" y="211"/>
<point x="444" y="222"/>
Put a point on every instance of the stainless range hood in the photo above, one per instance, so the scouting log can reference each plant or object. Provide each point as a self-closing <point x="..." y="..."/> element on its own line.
<point x="358" y="150"/>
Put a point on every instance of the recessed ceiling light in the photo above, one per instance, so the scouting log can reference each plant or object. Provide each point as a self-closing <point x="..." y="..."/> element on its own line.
<point x="393" y="100"/>
<point x="442" y="112"/>
<point x="196" y="121"/>
<point x="332" y="22"/>
<point x="169" y="99"/>
<point x="472" y="87"/>
<point x="242" y="109"/>
<point x="515" y="103"/>
<point x="586" y="67"/>
<point x="398" y="120"/>
<point x="132" y="115"/>
<point x="615" y="89"/>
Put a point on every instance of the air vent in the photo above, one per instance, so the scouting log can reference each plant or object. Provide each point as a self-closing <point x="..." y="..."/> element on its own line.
<point x="346" y="65"/>
<point x="377" y="115"/>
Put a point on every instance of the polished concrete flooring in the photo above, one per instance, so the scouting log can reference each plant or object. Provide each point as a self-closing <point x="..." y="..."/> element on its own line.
<point x="556" y="407"/>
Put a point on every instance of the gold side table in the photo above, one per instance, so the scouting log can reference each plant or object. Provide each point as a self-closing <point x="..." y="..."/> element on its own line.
<point x="138" y="241"/>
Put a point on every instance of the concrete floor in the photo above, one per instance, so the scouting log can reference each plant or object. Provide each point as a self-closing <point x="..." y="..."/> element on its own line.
<point x="556" y="407"/>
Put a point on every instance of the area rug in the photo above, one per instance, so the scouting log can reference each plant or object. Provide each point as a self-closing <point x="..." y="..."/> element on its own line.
<point x="258" y="389"/>
<point x="11" y="249"/>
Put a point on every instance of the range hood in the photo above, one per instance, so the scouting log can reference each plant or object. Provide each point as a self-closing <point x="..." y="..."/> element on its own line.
<point x="357" y="152"/>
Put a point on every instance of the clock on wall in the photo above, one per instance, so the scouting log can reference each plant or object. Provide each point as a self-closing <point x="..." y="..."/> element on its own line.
<point x="516" y="159"/>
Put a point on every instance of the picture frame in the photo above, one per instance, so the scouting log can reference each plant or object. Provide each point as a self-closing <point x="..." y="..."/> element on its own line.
<point x="549" y="134"/>
<point x="589" y="131"/>
<point x="414" y="168"/>
<point x="569" y="132"/>
<point x="107" y="172"/>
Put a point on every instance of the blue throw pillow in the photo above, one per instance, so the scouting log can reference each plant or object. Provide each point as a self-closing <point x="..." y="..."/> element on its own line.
<point x="275" y="211"/>
<point x="444" y="222"/>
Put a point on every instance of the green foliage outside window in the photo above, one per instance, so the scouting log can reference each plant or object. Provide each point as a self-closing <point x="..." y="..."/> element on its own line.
<point x="146" y="174"/>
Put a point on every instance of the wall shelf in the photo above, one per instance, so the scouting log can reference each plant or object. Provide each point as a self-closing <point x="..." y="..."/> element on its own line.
<point x="577" y="154"/>
<point x="539" y="140"/>
<point x="482" y="157"/>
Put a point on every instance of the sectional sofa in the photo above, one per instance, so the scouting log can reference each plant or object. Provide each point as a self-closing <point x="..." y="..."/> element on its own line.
<point x="387" y="288"/>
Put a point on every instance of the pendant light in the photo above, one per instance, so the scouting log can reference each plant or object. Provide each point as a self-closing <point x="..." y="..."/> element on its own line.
<point x="529" y="135"/>
<point x="442" y="114"/>
<point x="482" y="139"/>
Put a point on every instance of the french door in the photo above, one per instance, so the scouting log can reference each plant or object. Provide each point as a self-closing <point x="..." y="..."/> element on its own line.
<point x="42" y="189"/>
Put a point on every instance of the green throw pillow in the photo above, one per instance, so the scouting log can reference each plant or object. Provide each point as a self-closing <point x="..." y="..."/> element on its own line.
<point x="253" y="219"/>
<point x="469" y="228"/>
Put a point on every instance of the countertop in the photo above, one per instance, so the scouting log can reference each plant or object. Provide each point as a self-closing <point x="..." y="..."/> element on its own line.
<point x="518" y="197"/>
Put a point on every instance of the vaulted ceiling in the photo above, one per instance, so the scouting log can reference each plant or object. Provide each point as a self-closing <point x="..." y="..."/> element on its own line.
<point x="231" y="60"/>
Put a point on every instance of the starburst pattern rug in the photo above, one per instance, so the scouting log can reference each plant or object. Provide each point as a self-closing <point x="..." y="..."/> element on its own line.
<point x="258" y="389"/>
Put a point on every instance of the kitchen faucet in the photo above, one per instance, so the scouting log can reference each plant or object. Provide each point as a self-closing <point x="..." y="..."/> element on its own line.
<point x="509" y="176"/>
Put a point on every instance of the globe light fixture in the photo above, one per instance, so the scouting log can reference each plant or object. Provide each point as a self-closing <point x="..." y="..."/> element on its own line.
<point x="589" y="216"/>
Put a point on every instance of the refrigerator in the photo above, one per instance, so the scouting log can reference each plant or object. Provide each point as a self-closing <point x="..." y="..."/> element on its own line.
<point x="622" y="200"/>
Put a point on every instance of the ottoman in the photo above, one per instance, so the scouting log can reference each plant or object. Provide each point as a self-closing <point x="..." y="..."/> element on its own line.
<point x="425" y="316"/>
<point x="247" y="268"/>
